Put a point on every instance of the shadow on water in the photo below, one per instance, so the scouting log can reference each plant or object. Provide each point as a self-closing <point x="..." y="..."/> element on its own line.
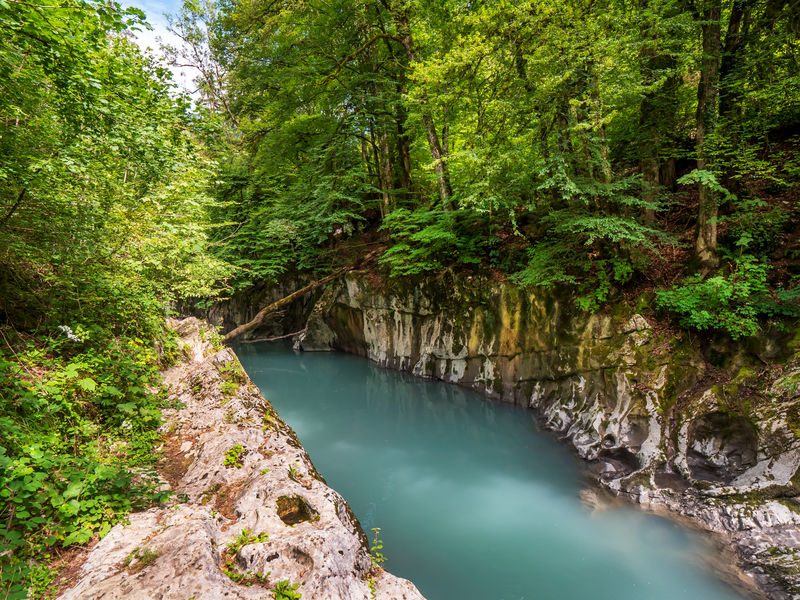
<point x="474" y="501"/>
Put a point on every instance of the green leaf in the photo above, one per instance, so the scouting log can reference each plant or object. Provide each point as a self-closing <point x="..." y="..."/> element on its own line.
<point x="87" y="384"/>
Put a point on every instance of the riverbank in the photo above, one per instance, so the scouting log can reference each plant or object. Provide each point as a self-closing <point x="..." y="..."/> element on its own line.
<point x="705" y="433"/>
<point x="249" y="513"/>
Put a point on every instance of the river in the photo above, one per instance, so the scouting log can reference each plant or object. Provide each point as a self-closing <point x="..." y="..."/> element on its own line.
<point x="474" y="500"/>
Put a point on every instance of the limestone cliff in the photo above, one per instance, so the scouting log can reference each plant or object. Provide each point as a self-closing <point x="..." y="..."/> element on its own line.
<point x="249" y="510"/>
<point x="647" y="407"/>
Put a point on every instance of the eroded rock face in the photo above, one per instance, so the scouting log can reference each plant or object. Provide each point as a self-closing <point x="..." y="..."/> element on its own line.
<point x="250" y="508"/>
<point x="658" y="424"/>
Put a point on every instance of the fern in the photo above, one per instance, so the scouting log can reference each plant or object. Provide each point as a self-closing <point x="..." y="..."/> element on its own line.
<point x="426" y="241"/>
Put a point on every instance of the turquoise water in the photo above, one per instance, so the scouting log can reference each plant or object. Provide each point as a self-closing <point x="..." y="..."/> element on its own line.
<point x="474" y="501"/>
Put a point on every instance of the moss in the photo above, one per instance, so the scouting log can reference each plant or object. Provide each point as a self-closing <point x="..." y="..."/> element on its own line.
<point x="790" y="504"/>
<point x="140" y="558"/>
<point x="209" y="493"/>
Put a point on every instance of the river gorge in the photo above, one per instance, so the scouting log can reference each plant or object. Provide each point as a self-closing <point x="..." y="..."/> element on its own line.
<point x="702" y="431"/>
<point x="474" y="500"/>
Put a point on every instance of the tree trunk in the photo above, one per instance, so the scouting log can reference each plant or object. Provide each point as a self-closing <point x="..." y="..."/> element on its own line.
<point x="648" y="118"/>
<point x="435" y="145"/>
<point x="668" y="175"/>
<point x="598" y="126"/>
<point x="387" y="179"/>
<point x="650" y="182"/>
<point x="659" y="104"/>
<point x="262" y="315"/>
<point x="735" y="41"/>
<point x="403" y="144"/>
<point x="439" y="164"/>
<point x="707" y="112"/>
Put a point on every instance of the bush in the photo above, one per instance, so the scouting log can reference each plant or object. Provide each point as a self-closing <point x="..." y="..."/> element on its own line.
<point x="77" y="435"/>
<point x="732" y="302"/>
<point x="427" y="241"/>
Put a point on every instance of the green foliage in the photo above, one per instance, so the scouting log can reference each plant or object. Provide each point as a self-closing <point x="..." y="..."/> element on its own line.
<point x="41" y="577"/>
<point x="376" y="549"/>
<point x="426" y="241"/>
<point x="585" y="248"/>
<point x="234" y="456"/>
<point x="104" y="220"/>
<point x="755" y="227"/>
<point x="476" y="135"/>
<point x="245" y="538"/>
<point x="284" y="590"/>
<point x="229" y="567"/>
<point x="732" y="302"/>
<point x="232" y="378"/>
<point x="378" y="558"/>
<point x="708" y="180"/>
<point x="78" y="426"/>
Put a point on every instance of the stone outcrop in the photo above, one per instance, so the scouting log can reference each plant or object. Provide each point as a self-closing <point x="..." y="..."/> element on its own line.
<point x="249" y="510"/>
<point x="646" y="406"/>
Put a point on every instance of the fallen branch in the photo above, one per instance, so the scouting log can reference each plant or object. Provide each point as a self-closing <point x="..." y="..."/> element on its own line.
<point x="273" y="338"/>
<point x="271" y="308"/>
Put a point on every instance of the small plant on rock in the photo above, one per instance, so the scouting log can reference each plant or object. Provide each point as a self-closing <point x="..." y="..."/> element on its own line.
<point x="229" y="388"/>
<point x="245" y="538"/>
<point x="234" y="457"/>
<point x="284" y="590"/>
<point x="378" y="558"/>
<point x="140" y="558"/>
<point x="229" y="559"/>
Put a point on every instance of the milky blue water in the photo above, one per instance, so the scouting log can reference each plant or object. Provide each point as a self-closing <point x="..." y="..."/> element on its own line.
<point x="474" y="501"/>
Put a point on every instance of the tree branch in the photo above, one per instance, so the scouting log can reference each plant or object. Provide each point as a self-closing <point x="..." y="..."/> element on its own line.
<point x="270" y="308"/>
<point x="13" y="209"/>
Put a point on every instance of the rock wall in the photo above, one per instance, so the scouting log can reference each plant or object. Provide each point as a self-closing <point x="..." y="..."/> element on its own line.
<point x="657" y="421"/>
<point x="248" y="512"/>
<point x="242" y="306"/>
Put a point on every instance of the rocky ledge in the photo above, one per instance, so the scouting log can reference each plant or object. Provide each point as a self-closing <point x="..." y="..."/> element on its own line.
<point x="707" y="430"/>
<point x="250" y="515"/>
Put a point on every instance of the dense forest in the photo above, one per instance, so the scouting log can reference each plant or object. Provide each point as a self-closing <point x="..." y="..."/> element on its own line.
<point x="593" y="145"/>
<point x="614" y="150"/>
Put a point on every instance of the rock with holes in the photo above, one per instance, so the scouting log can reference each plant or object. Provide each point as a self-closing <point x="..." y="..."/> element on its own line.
<point x="250" y="509"/>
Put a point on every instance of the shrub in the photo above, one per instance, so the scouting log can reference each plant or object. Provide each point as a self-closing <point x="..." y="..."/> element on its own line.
<point x="731" y="302"/>
<point x="425" y="242"/>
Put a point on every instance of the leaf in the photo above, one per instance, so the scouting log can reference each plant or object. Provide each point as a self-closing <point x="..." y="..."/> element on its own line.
<point x="73" y="490"/>
<point x="87" y="384"/>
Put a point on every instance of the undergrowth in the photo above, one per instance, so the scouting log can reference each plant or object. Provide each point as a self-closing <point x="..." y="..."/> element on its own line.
<point x="78" y="429"/>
